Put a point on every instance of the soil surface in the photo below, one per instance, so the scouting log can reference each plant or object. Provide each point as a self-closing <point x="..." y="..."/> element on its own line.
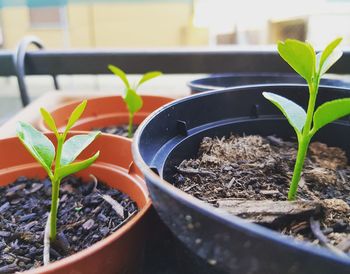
<point x="249" y="176"/>
<point x="121" y="130"/>
<point x="85" y="216"/>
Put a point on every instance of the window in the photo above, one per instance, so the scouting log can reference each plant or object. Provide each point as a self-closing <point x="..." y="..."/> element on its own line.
<point x="46" y="17"/>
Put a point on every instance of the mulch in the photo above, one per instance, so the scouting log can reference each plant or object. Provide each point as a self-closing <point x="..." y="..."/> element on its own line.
<point x="249" y="176"/>
<point x="84" y="218"/>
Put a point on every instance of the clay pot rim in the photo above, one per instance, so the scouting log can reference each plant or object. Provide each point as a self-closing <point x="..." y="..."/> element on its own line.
<point x="88" y="120"/>
<point x="133" y="177"/>
<point x="42" y="127"/>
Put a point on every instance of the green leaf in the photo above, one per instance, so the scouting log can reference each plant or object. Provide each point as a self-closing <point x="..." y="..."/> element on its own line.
<point x="77" y="112"/>
<point x="64" y="171"/>
<point x="294" y="113"/>
<point x="121" y="74"/>
<point x="37" y="144"/>
<point x="148" y="76"/>
<point x="75" y="145"/>
<point x="329" y="112"/>
<point x="300" y="56"/>
<point x="330" y="61"/>
<point x="133" y="101"/>
<point x="328" y="57"/>
<point x="50" y="122"/>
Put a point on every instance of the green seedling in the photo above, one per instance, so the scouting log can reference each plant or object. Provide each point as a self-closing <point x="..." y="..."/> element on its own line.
<point x="302" y="58"/>
<point x="57" y="163"/>
<point x="132" y="100"/>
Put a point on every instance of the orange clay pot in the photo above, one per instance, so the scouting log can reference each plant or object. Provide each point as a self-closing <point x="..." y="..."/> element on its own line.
<point x="122" y="251"/>
<point x="103" y="112"/>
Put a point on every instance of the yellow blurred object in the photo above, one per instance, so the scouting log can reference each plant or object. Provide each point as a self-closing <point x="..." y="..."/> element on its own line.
<point x="295" y="28"/>
<point x="80" y="25"/>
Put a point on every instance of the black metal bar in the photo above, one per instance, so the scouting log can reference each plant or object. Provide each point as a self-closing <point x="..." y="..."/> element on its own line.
<point x="19" y="59"/>
<point x="7" y="67"/>
<point x="233" y="59"/>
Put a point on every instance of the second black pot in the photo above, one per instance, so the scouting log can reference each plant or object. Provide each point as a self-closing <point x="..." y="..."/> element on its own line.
<point x="224" y="242"/>
<point x="231" y="80"/>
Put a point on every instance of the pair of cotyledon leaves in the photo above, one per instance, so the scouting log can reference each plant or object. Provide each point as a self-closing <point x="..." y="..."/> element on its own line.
<point x="132" y="99"/>
<point x="43" y="150"/>
<point x="311" y="66"/>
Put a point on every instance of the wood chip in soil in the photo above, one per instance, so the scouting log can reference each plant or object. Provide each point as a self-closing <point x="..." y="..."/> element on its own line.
<point x="258" y="170"/>
<point x="84" y="218"/>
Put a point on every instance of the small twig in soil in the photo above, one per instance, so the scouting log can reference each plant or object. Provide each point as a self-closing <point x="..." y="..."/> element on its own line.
<point x="275" y="141"/>
<point x="95" y="182"/>
<point x="344" y="245"/>
<point x="24" y="259"/>
<point x="341" y="174"/>
<point x="229" y="185"/>
<point x="119" y="209"/>
<point x="190" y="187"/>
<point x="195" y="171"/>
<point x="4" y="207"/>
<point x="316" y="230"/>
<point x="72" y="225"/>
<point x="269" y="192"/>
<point x="46" y="254"/>
<point x="299" y="227"/>
<point x="5" y="233"/>
<point x="115" y="205"/>
<point x="35" y="188"/>
<point x="124" y="221"/>
<point x="97" y="210"/>
<point x="11" y="268"/>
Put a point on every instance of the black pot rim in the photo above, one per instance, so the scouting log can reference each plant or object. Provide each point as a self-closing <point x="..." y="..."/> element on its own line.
<point x="198" y="85"/>
<point x="218" y="215"/>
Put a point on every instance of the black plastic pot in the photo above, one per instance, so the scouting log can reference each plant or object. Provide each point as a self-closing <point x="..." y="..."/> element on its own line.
<point x="220" y="81"/>
<point x="229" y="243"/>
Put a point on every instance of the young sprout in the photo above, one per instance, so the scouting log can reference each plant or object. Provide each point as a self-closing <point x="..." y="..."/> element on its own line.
<point x="132" y="100"/>
<point x="311" y="66"/>
<point x="58" y="164"/>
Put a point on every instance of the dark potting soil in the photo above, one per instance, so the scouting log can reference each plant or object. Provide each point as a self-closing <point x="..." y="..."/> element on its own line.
<point x="84" y="218"/>
<point x="249" y="177"/>
<point x="121" y="130"/>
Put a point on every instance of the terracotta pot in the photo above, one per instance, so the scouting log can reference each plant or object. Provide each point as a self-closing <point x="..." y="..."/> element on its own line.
<point x="104" y="111"/>
<point x="122" y="251"/>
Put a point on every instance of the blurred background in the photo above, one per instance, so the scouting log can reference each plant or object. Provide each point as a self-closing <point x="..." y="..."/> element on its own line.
<point x="130" y="24"/>
<point x="171" y="23"/>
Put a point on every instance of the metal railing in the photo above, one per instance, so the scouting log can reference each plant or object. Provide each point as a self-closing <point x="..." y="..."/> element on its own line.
<point x="177" y="61"/>
<point x="19" y="59"/>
